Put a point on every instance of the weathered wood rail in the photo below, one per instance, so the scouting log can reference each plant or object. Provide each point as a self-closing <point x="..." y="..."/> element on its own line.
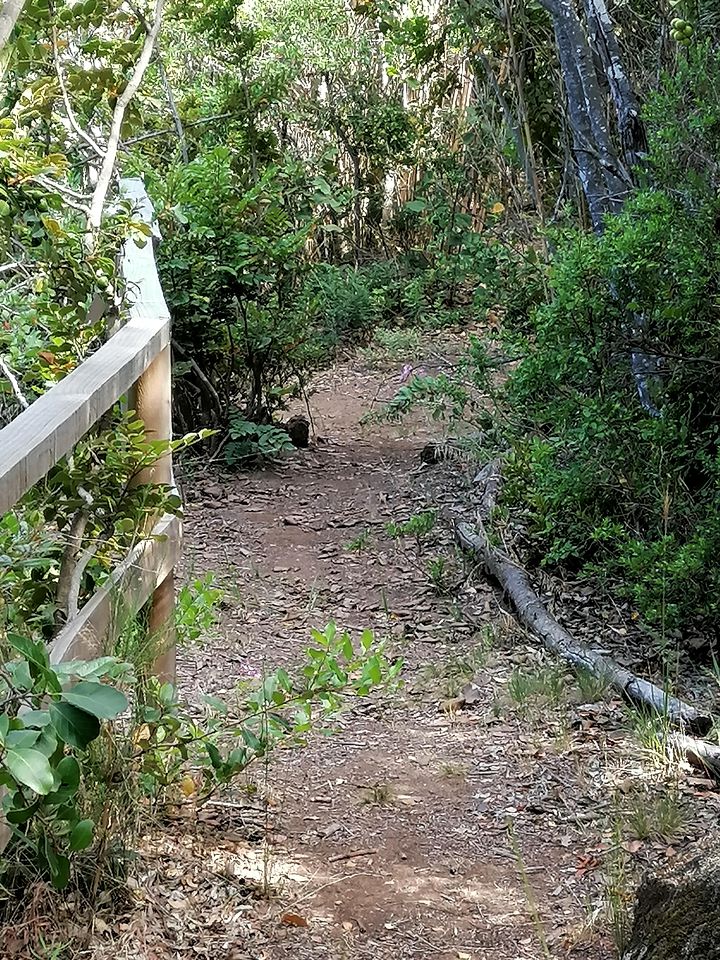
<point x="135" y="363"/>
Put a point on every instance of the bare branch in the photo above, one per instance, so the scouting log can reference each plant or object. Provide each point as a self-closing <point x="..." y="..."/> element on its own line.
<point x="72" y="119"/>
<point x="173" y="110"/>
<point x="12" y="379"/>
<point x="9" y="14"/>
<point x="108" y="164"/>
<point x="163" y="133"/>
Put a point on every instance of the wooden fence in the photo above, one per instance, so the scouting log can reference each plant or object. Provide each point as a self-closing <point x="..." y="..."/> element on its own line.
<point x="134" y="363"/>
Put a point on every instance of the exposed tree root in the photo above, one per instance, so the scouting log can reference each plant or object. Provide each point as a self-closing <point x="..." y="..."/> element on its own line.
<point x="532" y="613"/>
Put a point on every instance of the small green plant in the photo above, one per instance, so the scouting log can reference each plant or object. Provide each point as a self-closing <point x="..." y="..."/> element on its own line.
<point x="438" y="570"/>
<point x="660" y="816"/>
<point x="398" y="344"/>
<point x="529" y="893"/>
<point x="544" y="685"/>
<point x="454" y="672"/>
<point x="379" y="795"/>
<point x="592" y="687"/>
<point x="196" y="609"/>
<point x="46" y="730"/>
<point x="70" y="780"/>
<point x="418" y="526"/>
<point x="255" y="441"/>
<point x="173" y="747"/>
<point x="360" y="542"/>
<point x="651" y="730"/>
<point x="618" y="889"/>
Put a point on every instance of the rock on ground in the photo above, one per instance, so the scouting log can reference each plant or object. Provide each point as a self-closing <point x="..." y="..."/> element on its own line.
<point x="677" y="910"/>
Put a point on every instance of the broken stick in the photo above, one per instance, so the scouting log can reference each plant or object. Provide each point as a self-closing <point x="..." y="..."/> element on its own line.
<point x="533" y="614"/>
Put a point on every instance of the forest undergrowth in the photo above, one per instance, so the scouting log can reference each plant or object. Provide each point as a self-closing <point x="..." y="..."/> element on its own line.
<point x="515" y="223"/>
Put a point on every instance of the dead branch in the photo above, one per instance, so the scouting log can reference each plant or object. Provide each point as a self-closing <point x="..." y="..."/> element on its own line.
<point x="531" y="612"/>
<point x="9" y="15"/>
<point x="15" y="386"/>
<point x="352" y="854"/>
<point x="70" y="560"/>
<point x="108" y="165"/>
<point x="698" y="753"/>
<point x="490" y="480"/>
<point x="173" y="110"/>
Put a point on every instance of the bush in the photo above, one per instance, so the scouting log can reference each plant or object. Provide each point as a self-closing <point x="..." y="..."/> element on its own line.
<point x="606" y="486"/>
<point x="78" y="791"/>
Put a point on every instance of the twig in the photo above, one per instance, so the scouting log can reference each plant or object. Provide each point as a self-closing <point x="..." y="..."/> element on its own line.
<point x="163" y="133"/>
<point x="72" y="119"/>
<point x="173" y="110"/>
<point x="108" y="164"/>
<point x="12" y="380"/>
<point x="351" y="854"/>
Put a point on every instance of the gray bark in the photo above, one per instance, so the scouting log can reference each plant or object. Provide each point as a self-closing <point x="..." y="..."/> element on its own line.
<point x="9" y="15"/>
<point x="604" y="173"/>
<point x="604" y="41"/>
<point x="606" y="182"/>
<point x="532" y="614"/>
<point x="677" y="911"/>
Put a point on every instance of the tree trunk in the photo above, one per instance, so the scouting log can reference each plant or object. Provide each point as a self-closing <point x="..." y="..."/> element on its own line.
<point x="604" y="41"/>
<point x="677" y="910"/>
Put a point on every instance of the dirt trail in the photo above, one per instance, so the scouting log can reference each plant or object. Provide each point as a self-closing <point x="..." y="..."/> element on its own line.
<point x="429" y="795"/>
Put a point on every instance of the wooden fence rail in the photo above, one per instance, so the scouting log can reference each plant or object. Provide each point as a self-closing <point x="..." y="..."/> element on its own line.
<point x="134" y="362"/>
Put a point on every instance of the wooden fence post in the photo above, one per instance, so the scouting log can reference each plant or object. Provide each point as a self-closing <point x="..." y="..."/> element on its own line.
<point x="151" y="398"/>
<point x="153" y="405"/>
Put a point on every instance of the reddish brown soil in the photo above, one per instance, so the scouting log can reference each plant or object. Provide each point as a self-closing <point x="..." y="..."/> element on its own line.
<point x="412" y="831"/>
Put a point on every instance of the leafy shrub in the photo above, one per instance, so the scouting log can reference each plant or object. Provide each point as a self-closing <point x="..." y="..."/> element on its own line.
<point x="72" y="784"/>
<point x="45" y="733"/>
<point x="253" y="441"/>
<point x="231" y="266"/>
<point x="607" y="486"/>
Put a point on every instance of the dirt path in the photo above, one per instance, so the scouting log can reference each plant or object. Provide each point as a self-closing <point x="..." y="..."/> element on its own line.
<point x="427" y="795"/>
<point x="514" y="830"/>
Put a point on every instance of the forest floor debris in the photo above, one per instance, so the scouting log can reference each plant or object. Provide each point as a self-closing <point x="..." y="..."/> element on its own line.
<point x="513" y="829"/>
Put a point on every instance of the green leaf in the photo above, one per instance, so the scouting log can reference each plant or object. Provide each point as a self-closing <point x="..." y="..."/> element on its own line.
<point x="74" y="726"/>
<point x="214" y="755"/>
<point x="82" y="835"/>
<point x="59" y="866"/>
<point x="253" y="742"/>
<point x="30" y="768"/>
<point x="35" y="718"/>
<point x="18" y="815"/>
<point x="21" y="738"/>
<point x="99" y="699"/>
<point x="32" y="651"/>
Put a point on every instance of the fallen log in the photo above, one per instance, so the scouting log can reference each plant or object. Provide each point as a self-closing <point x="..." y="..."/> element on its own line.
<point x="533" y="614"/>
<point x="700" y="754"/>
<point x="489" y="480"/>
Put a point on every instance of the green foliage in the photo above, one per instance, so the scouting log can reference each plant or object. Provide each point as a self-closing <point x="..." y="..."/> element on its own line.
<point x="444" y="396"/>
<point x="253" y="441"/>
<point x="196" y="609"/>
<point x="604" y="487"/>
<point x="91" y="499"/>
<point x="231" y="266"/>
<point x="46" y="729"/>
<point x="418" y="526"/>
<point x="68" y="779"/>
